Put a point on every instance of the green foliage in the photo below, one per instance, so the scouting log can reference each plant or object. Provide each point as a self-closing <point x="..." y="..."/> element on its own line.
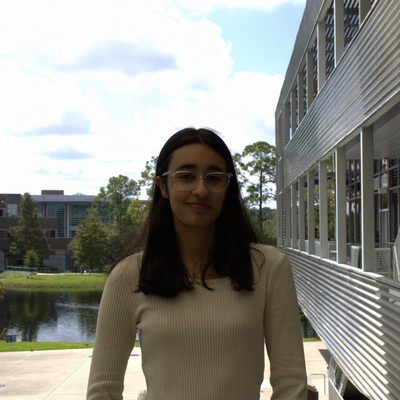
<point x="268" y="231"/>
<point x="119" y="236"/>
<point x="115" y="201"/>
<point x="256" y="171"/>
<point x="28" y="235"/>
<point x="115" y="198"/>
<point x="149" y="175"/>
<point x="31" y="259"/>
<point x="90" y="244"/>
<point x="137" y="212"/>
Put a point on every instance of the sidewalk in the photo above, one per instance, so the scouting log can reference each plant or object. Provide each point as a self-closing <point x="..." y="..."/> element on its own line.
<point x="63" y="374"/>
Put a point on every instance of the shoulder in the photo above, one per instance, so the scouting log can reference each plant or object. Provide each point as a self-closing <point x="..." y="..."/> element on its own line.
<point x="268" y="254"/>
<point x="127" y="269"/>
<point x="268" y="260"/>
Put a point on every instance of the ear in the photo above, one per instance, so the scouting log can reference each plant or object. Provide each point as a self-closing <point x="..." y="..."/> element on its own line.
<point x="162" y="187"/>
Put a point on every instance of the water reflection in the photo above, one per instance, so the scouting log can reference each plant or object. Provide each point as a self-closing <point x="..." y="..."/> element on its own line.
<point x="69" y="316"/>
<point x="42" y="316"/>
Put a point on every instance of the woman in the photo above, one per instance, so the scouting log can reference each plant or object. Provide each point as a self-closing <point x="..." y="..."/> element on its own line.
<point x="204" y="295"/>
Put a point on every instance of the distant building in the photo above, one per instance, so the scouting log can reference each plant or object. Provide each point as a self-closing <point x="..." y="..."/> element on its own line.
<point x="338" y="187"/>
<point x="60" y="216"/>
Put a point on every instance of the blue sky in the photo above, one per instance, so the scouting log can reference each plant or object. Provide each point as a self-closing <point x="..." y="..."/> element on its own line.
<point x="262" y="40"/>
<point x="91" y="89"/>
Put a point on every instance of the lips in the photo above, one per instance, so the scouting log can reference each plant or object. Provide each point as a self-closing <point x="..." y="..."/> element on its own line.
<point x="200" y="206"/>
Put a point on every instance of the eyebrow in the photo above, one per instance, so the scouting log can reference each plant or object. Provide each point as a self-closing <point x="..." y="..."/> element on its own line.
<point x="194" y="166"/>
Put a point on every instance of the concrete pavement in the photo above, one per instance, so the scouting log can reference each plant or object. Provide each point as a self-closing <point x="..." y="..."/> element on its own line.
<point x="63" y="374"/>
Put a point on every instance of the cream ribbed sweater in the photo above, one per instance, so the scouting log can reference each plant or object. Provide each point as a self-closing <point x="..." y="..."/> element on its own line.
<point x="202" y="345"/>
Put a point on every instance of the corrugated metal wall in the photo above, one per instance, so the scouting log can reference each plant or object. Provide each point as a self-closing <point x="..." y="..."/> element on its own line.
<point x="365" y="80"/>
<point x="304" y="34"/>
<point x="358" y="317"/>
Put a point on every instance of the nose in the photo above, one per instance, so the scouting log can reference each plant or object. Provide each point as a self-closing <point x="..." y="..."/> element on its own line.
<point x="200" y="186"/>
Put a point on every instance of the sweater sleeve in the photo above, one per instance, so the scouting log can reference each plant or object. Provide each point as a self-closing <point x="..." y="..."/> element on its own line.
<point x="115" y="338"/>
<point x="282" y="331"/>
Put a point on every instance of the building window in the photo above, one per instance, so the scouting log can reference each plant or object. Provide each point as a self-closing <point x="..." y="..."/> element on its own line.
<point x="387" y="207"/>
<point x="353" y="202"/>
<point x="57" y="210"/>
<point x="77" y="213"/>
<point x="12" y="209"/>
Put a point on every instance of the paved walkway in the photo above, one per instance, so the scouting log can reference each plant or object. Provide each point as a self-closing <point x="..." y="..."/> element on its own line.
<point x="63" y="374"/>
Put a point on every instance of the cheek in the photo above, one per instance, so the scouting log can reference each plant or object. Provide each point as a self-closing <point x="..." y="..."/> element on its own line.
<point x="176" y="198"/>
<point x="220" y="202"/>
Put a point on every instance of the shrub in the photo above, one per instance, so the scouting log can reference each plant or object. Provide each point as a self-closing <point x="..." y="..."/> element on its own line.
<point x="31" y="259"/>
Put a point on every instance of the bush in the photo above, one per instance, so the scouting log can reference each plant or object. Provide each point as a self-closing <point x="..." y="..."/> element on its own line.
<point x="32" y="259"/>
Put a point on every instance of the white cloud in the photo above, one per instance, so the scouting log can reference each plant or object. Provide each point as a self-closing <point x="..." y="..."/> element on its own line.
<point x="73" y="122"/>
<point x="83" y="99"/>
<point x="208" y="5"/>
<point x="120" y="56"/>
<point x="66" y="153"/>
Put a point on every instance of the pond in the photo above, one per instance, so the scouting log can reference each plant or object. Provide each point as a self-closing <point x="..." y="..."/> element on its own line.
<point x="43" y="316"/>
<point x="68" y="316"/>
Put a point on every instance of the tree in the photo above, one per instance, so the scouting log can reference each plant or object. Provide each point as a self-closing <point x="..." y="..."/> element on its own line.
<point x="149" y="175"/>
<point x="137" y="212"/>
<point x="90" y="244"/>
<point x="257" y="169"/>
<point x="114" y="201"/>
<point x="28" y="235"/>
<point x="115" y="198"/>
<point x="32" y="259"/>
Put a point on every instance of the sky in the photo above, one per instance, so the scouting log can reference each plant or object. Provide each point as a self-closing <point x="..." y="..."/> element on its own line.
<point x="91" y="89"/>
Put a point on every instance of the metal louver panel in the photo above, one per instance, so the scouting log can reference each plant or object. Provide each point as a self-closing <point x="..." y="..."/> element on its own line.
<point x="358" y="317"/>
<point x="366" y="78"/>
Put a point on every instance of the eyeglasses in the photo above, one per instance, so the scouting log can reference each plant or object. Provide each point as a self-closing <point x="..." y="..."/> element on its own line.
<point x="186" y="180"/>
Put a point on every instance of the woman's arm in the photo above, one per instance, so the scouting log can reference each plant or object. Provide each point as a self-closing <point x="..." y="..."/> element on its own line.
<point x="282" y="332"/>
<point x="115" y="338"/>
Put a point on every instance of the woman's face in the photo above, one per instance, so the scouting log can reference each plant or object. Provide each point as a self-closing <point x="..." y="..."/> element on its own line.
<point x="199" y="207"/>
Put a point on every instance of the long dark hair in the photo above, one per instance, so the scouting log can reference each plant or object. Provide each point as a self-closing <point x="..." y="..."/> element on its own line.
<point x="163" y="272"/>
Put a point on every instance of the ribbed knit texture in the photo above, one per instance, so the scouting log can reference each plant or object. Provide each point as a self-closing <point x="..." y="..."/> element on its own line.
<point x="202" y="345"/>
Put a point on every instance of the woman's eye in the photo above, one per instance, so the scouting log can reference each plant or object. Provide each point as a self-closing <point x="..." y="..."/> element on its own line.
<point x="214" y="178"/>
<point x="185" y="176"/>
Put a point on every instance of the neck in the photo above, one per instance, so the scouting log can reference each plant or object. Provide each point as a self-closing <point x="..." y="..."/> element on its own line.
<point x="195" y="245"/>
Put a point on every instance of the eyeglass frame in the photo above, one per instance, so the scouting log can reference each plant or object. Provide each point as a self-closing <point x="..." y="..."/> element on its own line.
<point x="228" y="175"/>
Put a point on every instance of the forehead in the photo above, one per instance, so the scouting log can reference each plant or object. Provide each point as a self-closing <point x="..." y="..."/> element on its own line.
<point x="197" y="156"/>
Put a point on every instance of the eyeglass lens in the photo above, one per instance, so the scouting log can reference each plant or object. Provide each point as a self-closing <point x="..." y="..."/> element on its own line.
<point x="186" y="180"/>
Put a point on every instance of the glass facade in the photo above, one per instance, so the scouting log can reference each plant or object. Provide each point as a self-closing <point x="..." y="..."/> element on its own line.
<point x="77" y="213"/>
<point x="70" y="214"/>
<point x="57" y="210"/>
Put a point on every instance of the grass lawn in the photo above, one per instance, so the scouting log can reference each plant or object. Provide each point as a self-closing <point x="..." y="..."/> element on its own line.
<point x="34" y="346"/>
<point x="16" y="279"/>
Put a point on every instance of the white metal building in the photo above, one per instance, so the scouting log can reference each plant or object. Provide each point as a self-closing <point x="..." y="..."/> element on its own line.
<point x="338" y="187"/>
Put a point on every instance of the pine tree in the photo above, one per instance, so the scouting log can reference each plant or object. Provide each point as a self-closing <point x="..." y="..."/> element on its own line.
<point x="28" y="235"/>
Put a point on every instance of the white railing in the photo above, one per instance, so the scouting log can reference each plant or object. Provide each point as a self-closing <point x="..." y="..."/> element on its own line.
<point x="382" y="261"/>
<point x="396" y="256"/>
